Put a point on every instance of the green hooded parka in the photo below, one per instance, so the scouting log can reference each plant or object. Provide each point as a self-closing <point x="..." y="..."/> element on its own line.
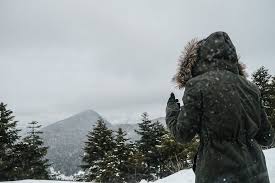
<point x="226" y="111"/>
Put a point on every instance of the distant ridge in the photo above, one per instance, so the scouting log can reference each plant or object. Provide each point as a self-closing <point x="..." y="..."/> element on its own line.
<point x="66" y="138"/>
<point x="79" y="119"/>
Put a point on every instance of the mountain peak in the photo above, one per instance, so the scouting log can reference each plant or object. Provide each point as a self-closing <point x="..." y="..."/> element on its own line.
<point x="88" y="112"/>
<point x="68" y="136"/>
<point x="84" y="119"/>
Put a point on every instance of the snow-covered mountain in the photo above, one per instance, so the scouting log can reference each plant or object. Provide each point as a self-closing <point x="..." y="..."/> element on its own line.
<point x="66" y="139"/>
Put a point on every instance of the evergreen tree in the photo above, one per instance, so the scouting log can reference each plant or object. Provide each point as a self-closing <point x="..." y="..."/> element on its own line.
<point x="100" y="143"/>
<point x="122" y="153"/>
<point x="158" y="132"/>
<point x="262" y="79"/>
<point x="266" y="84"/>
<point x="136" y="165"/>
<point x="272" y="104"/>
<point x="33" y="154"/>
<point x="176" y="156"/>
<point x="8" y="139"/>
<point x="151" y="134"/>
<point x="114" y="167"/>
<point x="272" y="101"/>
<point x="109" y="171"/>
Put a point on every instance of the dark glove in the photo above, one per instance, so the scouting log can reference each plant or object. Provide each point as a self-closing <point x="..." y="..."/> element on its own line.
<point x="172" y="100"/>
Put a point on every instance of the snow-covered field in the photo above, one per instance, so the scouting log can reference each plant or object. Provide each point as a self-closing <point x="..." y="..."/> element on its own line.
<point x="185" y="176"/>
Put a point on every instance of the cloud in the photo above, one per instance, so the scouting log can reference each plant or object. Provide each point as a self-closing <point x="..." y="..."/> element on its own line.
<point x="58" y="58"/>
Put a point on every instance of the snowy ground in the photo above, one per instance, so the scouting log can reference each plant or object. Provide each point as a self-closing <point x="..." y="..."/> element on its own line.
<point x="185" y="176"/>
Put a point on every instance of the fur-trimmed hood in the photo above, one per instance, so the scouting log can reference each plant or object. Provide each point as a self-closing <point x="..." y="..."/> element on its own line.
<point x="216" y="52"/>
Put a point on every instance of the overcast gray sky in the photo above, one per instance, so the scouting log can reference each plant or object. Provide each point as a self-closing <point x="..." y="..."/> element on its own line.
<point x="60" y="57"/>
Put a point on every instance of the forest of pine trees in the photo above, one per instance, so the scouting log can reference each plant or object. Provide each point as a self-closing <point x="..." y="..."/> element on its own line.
<point x="20" y="158"/>
<point x="110" y="156"/>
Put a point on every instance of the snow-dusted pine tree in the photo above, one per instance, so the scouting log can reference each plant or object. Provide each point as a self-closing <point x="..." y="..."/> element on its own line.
<point x="122" y="153"/>
<point x="109" y="171"/>
<point x="262" y="79"/>
<point x="114" y="167"/>
<point x="176" y="156"/>
<point x="266" y="85"/>
<point x="8" y="139"/>
<point x="33" y="154"/>
<point x="272" y="103"/>
<point x="99" y="143"/>
<point x="136" y="165"/>
<point x="151" y="134"/>
<point x="272" y="89"/>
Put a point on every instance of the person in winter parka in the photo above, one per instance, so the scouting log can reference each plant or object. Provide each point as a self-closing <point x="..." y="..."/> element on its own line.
<point x="224" y="109"/>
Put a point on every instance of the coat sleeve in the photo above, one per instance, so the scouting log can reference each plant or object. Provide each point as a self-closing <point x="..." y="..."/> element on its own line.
<point x="265" y="135"/>
<point x="183" y="122"/>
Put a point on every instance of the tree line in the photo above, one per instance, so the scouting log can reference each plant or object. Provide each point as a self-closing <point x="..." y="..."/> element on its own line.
<point x="109" y="155"/>
<point x="20" y="158"/>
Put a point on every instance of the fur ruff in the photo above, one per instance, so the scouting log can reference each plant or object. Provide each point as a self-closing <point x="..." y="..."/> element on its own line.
<point x="242" y="69"/>
<point x="185" y="63"/>
<point x="188" y="59"/>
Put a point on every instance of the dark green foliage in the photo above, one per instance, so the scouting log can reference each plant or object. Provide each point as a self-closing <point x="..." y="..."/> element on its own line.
<point x="151" y="134"/>
<point x="266" y="85"/>
<point x="130" y="160"/>
<point x="111" y="158"/>
<point x="262" y="79"/>
<point x="122" y="153"/>
<point x="115" y="166"/>
<point x="272" y="102"/>
<point x="8" y="139"/>
<point x="176" y="156"/>
<point x="108" y="170"/>
<point x="100" y="141"/>
<point x="20" y="159"/>
<point x="136" y="167"/>
<point x="33" y="154"/>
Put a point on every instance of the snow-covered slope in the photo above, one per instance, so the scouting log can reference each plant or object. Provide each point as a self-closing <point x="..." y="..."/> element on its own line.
<point x="187" y="176"/>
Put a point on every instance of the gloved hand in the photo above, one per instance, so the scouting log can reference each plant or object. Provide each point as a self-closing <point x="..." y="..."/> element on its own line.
<point x="172" y="101"/>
